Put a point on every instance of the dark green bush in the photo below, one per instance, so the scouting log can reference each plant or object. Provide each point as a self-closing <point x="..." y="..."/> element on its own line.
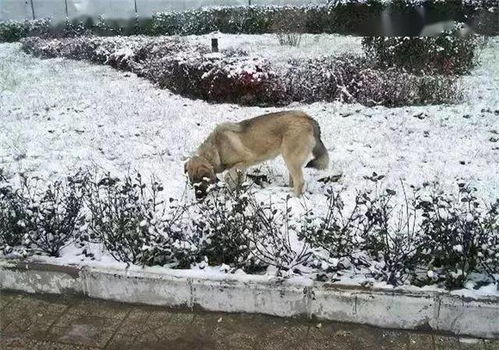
<point x="460" y="236"/>
<point x="11" y="31"/>
<point x="226" y="223"/>
<point x="14" y="216"/>
<point x="135" y="224"/>
<point x="448" y="54"/>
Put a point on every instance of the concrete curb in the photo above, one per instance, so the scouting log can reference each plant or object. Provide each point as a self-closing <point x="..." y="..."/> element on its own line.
<point x="444" y="312"/>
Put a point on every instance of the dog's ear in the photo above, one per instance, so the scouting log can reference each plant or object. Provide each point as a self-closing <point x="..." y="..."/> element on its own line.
<point x="185" y="167"/>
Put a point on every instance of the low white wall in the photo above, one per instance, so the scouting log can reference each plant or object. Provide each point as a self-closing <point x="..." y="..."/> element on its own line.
<point x="58" y="10"/>
<point x="377" y="307"/>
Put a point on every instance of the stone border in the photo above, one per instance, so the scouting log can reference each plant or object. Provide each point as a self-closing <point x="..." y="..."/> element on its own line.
<point x="421" y="310"/>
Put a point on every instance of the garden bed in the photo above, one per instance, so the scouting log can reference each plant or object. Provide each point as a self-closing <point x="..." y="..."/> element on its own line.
<point x="234" y="76"/>
<point x="97" y="117"/>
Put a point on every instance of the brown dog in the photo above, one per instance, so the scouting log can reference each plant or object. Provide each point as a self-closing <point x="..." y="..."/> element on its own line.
<point x="238" y="146"/>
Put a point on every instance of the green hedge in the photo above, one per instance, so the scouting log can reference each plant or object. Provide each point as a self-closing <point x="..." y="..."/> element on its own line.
<point x="344" y="18"/>
<point x="448" y="54"/>
<point x="11" y="31"/>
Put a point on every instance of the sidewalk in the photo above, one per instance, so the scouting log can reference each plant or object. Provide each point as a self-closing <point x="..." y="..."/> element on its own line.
<point x="55" y="322"/>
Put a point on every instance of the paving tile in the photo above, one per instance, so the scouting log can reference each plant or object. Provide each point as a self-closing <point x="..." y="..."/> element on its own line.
<point x="32" y="322"/>
<point x="121" y="342"/>
<point x="13" y="343"/>
<point x="22" y="312"/>
<point x="471" y="344"/>
<point x="283" y="334"/>
<point x="30" y="344"/>
<point x="446" y="343"/>
<point x="134" y="322"/>
<point x="491" y="344"/>
<point x="392" y="340"/>
<point x="83" y="330"/>
<point x="420" y="341"/>
<point x="330" y="336"/>
<point x="230" y="331"/>
<point x="100" y="308"/>
<point x="13" y="326"/>
<point x="6" y="299"/>
<point x="165" y="327"/>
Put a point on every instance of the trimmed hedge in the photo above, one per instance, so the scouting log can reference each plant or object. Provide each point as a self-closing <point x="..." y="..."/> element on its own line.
<point x="11" y="31"/>
<point x="448" y="54"/>
<point x="345" y="18"/>
<point x="233" y="77"/>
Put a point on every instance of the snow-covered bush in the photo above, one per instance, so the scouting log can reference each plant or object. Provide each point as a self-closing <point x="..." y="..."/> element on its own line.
<point x="236" y="19"/>
<point x="11" y="31"/>
<point x="344" y="17"/>
<point x="239" y="231"/>
<point x="225" y="223"/>
<point x="216" y="78"/>
<point x="336" y="232"/>
<point x="353" y="80"/>
<point x="390" y="237"/>
<point x="289" y="27"/>
<point x="54" y="214"/>
<point x="335" y="17"/>
<point x="321" y="79"/>
<point x="276" y="241"/>
<point x="432" y="236"/>
<point x="449" y="53"/>
<point x="14" y="217"/>
<point x="116" y="51"/>
<point x="460" y="235"/>
<point x="135" y="225"/>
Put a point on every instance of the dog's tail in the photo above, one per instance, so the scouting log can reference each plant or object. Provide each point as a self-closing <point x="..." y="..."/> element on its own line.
<point x="321" y="157"/>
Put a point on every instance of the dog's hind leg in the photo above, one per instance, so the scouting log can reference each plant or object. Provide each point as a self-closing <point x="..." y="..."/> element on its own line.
<point x="295" y="154"/>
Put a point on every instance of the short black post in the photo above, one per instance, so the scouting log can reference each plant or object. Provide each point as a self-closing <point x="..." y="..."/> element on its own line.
<point x="32" y="9"/>
<point x="214" y="45"/>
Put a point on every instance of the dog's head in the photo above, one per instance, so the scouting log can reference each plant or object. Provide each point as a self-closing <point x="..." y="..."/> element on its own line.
<point x="201" y="175"/>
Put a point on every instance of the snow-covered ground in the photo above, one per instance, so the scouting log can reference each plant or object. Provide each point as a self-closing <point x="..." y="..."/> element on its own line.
<point x="59" y="115"/>
<point x="267" y="45"/>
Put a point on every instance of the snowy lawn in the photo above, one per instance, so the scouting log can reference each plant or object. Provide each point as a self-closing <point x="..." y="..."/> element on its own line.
<point x="58" y="116"/>
<point x="267" y="45"/>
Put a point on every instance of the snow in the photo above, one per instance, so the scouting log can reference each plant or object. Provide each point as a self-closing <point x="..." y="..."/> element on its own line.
<point x="311" y="45"/>
<point x="59" y="115"/>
